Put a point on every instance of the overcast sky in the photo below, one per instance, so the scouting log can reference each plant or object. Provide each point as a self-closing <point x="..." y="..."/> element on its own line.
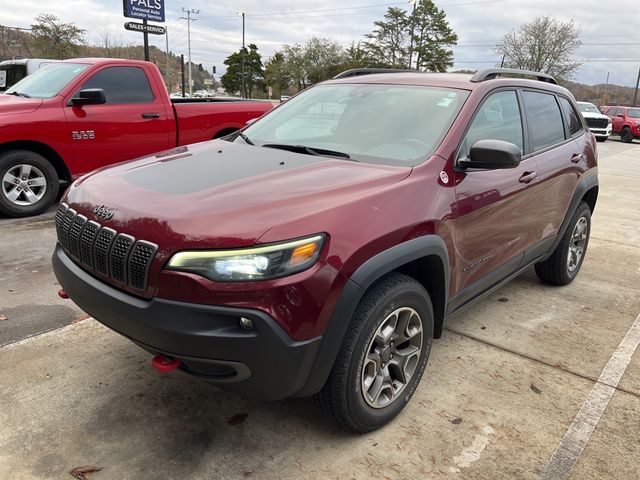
<point x="610" y="32"/>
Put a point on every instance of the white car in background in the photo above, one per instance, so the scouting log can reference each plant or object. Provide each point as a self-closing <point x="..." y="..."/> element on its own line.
<point x="598" y="123"/>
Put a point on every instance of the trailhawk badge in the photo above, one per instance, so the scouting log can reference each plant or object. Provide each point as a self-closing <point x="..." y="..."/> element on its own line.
<point x="103" y="212"/>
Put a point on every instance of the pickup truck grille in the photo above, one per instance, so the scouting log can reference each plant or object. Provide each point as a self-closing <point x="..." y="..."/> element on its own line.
<point x="118" y="256"/>
<point x="597" y="122"/>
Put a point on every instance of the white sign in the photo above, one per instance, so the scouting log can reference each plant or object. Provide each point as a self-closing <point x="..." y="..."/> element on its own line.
<point x="3" y="78"/>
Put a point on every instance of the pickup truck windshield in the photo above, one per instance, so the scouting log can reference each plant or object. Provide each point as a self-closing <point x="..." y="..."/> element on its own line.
<point x="588" y="107"/>
<point x="387" y="124"/>
<point x="48" y="81"/>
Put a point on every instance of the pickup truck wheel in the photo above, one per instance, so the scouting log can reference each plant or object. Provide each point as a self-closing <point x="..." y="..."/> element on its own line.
<point x="565" y="262"/>
<point x="29" y="183"/>
<point x="626" y="136"/>
<point x="383" y="355"/>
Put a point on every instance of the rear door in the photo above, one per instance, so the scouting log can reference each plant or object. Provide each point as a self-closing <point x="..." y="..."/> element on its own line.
<point x="557" y="140"/>
<point x="132" y="123"/>
<point x="492" y="226"/>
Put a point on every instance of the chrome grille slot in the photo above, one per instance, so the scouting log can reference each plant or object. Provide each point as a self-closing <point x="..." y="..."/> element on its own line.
<point x="74" y="234"/>
<point x="86" y="242"/>
<point x="119" y="255"/>
<point x="101" y="249"/>
<point x="139" y="262"/>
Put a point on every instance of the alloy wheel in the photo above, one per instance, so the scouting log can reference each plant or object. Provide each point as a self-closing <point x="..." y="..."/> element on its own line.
<point x="392" y="357"/>
<point x="577" y="244"/>
<point x="24" y="185"/>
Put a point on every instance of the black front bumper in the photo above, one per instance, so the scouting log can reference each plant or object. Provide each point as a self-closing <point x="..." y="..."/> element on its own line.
<point x="263" y="363"/>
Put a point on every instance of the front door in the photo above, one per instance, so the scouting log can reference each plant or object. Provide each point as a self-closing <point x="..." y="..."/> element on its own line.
<point x="132" y="123"/>
<point x="492" y="226"/>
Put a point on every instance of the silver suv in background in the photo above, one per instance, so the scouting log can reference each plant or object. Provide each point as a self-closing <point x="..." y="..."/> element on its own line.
<point x="598" y="123"/>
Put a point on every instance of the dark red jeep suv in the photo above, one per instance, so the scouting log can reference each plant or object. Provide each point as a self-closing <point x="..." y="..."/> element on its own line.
<point x="320" y="250"/>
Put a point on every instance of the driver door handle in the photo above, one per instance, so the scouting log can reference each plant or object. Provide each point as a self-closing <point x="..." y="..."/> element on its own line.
<point x="527" y="177"/>
<point x="576" y="158"/>
<point x="151" y="115"/>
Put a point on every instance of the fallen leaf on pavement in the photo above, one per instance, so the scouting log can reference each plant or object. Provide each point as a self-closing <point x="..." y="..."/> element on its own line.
<point x="456" y="421"/>
<point x="535" y="389"/>
<point x="84" y="473"/>
<point x="3" y="317"/>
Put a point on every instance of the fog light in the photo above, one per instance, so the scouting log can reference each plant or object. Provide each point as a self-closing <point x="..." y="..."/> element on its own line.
<point x="246" y="323"/>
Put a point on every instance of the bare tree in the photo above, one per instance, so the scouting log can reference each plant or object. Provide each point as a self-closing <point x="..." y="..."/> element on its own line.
<point x="543" y="45"/>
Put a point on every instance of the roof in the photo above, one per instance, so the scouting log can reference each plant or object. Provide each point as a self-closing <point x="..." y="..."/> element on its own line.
<point x="459" y="81"/>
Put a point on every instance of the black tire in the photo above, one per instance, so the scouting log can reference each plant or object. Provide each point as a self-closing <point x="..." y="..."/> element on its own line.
<point x="556" y="269"/>
<point x="626" y="136"/>
<point x="342" y="396"/>
<point x="18" y="207"/>
<point x="601" y="139"/>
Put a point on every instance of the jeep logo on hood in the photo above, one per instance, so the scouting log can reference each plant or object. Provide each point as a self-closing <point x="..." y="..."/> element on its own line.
<point x="103" y="212"/>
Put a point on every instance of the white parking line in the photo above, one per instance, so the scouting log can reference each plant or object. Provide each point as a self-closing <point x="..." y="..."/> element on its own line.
<point x="584" y="423"/>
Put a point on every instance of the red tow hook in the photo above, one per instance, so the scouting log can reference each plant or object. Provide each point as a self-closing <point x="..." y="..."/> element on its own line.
<point x="63" y="294"/>
<point x="164" y="364"/>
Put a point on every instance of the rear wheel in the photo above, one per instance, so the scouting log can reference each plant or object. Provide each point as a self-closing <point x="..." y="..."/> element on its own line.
<point x="383" y="355"/>
<point x="626" y="136"/>
<point x="565" y="262"/>
<point x="28" y="183"/>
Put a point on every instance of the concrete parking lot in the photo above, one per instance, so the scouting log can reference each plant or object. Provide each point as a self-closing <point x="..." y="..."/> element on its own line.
<point x="501" y="391"/>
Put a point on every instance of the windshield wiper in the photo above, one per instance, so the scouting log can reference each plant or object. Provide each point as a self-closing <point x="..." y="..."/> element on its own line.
<point x="244" y="137"/>
<point x="309" y="150"/>
<point x="19" y="94"/>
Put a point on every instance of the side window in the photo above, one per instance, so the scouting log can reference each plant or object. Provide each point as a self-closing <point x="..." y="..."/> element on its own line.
<point x="497" y="119"/>
<point x="573" y="121"/>
<point x="544" y="118"/>
<point x="122" y="85"/>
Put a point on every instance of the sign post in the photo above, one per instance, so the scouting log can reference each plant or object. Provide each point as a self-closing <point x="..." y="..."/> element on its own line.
<point x="144" y="10"/>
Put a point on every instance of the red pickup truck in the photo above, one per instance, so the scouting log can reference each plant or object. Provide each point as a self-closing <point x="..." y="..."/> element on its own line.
<point x="72" y="117"/>
<point x="625" y="121"/>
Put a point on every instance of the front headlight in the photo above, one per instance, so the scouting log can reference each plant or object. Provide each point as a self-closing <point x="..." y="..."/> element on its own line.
<point x="256" y="263"/>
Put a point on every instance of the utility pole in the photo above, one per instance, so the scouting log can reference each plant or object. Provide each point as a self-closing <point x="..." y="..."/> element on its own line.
<point x="166" y="37"/>
<point x="182" y="73"/>
<point x="189" y="12"/>
<point x="244" y="90"/>
<point x="635" y="94"/>
<point x="413" y="21"/>
<point x="145" y="37"/>
<point x="606" y="86"/>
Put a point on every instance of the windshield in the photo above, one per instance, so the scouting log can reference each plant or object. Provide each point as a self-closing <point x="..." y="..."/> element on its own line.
<point x="633" y="113"/>
<point x="389" y="124"/>
<point x="588" y="107"/>
<point x="48" y="81"/>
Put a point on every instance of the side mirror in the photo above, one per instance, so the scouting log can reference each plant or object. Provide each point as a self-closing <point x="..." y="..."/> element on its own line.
<point x="89" y="96"/>
<point x="492" y="154"/>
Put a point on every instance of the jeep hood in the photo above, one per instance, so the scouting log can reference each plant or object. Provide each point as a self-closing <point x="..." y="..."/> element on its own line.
<point x="11" y="104"/>
<point x="219" y="194"/>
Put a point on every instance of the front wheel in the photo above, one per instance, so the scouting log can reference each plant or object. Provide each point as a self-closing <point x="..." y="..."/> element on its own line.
<point x="28" y="183"/>
<point x="564" y="263"/>
<point x="383" y="355"/>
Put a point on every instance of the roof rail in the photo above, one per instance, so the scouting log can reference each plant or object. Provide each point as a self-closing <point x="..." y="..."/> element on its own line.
<point x="356" y="72"/>
<point x="491" y="73"/>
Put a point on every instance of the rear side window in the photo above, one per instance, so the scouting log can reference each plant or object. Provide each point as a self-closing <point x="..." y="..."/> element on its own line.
<point x="122" y="85"/>
<point x="497" y="119"/>
<point x="544" y="118"/>
<point x="573" y="121"/>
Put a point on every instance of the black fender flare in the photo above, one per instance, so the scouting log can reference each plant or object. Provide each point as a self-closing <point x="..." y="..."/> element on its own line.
<point x="353" y="291"/>
<point x="583" y="187"/>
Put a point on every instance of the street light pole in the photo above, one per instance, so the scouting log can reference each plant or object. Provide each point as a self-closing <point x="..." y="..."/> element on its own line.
<point x="189" y="20"/>
<point x="413" y="22"/>
<point x="244" y="90"/>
